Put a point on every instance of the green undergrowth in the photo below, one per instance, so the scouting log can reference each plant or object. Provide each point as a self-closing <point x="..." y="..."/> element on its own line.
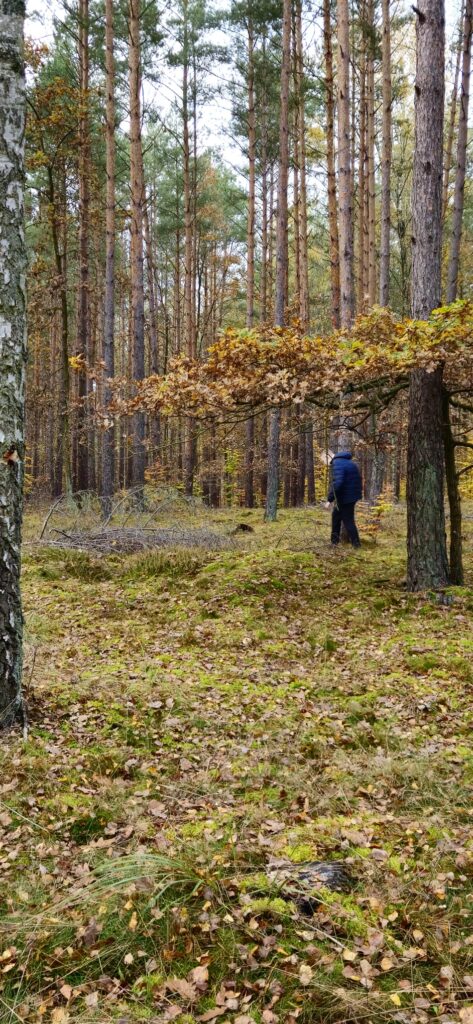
<point x="195" y="716"/>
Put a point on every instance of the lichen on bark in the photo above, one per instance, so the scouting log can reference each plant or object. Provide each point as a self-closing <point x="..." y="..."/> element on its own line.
<point x="12" y="352"/>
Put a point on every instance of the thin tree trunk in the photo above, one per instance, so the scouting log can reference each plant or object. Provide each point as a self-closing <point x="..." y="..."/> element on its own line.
<point x="304" y="303"/>
<point x="371" y="162"/>
<point x="309" y="459"/>
<point x="108" y="442"/>
<point x="426" y="549"/>
<point x="386" y="157"/>
<point x="83" y="312"/>
<point x="60" y="260"/>
<point x="331" y="174"/>
<point x="454" y="497"/>
<point x="280" y="300"/>
<point x="362" y="174"/>
<point x="250" y="281"/>
<point x="155" y="424"/>
<point x="453" y="488"/>
<point x="189" y="326"/>
<point x="137" y="192"/>
<point x="345" y="204"/>
<point x="460" y="175"/>
<point x="13" y="341"/>
<point x="452" y="119"/>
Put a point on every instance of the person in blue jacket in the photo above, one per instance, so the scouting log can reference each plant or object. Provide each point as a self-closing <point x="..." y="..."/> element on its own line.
<point x="345" y="491"/>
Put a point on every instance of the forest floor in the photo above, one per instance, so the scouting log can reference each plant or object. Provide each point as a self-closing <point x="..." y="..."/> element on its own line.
<point x="194" y="714"/>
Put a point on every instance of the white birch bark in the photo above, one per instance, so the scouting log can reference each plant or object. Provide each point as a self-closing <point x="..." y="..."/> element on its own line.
<point x="12" y="352"/>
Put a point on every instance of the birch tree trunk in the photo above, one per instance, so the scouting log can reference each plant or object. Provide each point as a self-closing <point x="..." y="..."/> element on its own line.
<point x="12" y="353"/>
<point x="280" y="300"/>
<point x="386" y="156"/>
<point x="137" y="192"/>
<point x="345" y="204"/>
<point x="426" y="549"/>
<point x="108" y="441"/>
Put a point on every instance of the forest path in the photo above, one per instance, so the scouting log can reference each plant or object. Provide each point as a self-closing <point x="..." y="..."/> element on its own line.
<point x="213" y="710"/>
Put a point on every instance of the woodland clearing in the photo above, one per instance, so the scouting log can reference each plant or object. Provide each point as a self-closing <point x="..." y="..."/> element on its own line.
<point x="195" y="714"/>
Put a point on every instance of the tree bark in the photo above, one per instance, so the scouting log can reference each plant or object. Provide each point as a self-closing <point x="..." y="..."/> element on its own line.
<point x="453" y="487"/>
<point x="280" y="301"/>
<point x="331" y="174"/>
<point x="454" y="497"/>
<point x="83" y="312"/>
<point x="371" y="161"/>
<point x="189" y="325"/>
<point x="451" y="121"/>
<point x="426" y="548"/>
<point x="458" y="200"/>
<point x="304" y="300"/>
<point x="250" y="280"/>
<point x="13" y="353"/>
<point x="386" y="157"/>
<point x="108" y="441"/>
<point x="137" y="192"/>
<point x="345" y="204"/>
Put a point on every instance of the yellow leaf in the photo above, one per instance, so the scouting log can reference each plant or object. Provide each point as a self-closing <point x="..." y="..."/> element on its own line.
<point x="386" y="964"/>
<point x="133" y="922"/>
<point x="395" y="999"/>
<point x="349" y="954"/>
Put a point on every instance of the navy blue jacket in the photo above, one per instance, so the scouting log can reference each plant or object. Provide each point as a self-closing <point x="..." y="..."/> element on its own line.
<point x="346" y="480"/>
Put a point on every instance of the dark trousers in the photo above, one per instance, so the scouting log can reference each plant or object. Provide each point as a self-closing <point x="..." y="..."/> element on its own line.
<point x="345" y="514"/>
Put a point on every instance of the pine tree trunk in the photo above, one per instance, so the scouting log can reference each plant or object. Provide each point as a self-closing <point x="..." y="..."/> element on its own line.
<point x="108" y="441"/>
<point x="454" y="497"/>
<point x="137" y="192"/>
<point x="386" y="156"/>
<point x="250" y="280"/>
<point x="362" y="176"/>
<point x="331" y="174"/>
<point x="345" y="204"/>
<point x="371" y="162"/>
<point x="453" y="487"/>
<point x="189" y="325"/>
<point x="304" y="303"/>
<point x="155" y="422"/>
<point x="452" y="119"/>
<point x="83" y="319"/>
<point x="280" y="300"/>
<point x="458" y="200"/>
<point x="13" y="352"/>
<point x="427" y="556"/>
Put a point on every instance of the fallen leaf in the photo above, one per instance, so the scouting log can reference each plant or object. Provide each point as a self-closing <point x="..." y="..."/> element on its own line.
<point x="199" y="976"/>
<point x="349" y="954"/>
<point x="305" y="974"/>
<point x="216" y="1012"/>
<point x="61" y="1016"/>
<point x="183" y="988"/>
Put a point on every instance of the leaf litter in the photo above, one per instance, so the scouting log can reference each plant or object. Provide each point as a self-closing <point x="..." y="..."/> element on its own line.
<point x="274" y="706"/>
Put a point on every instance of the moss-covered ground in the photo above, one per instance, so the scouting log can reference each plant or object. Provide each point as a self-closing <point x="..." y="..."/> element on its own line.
<point x="194" y="715"/>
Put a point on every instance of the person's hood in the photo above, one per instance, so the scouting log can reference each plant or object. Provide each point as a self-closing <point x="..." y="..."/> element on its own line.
<point x="343" y="455"/>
